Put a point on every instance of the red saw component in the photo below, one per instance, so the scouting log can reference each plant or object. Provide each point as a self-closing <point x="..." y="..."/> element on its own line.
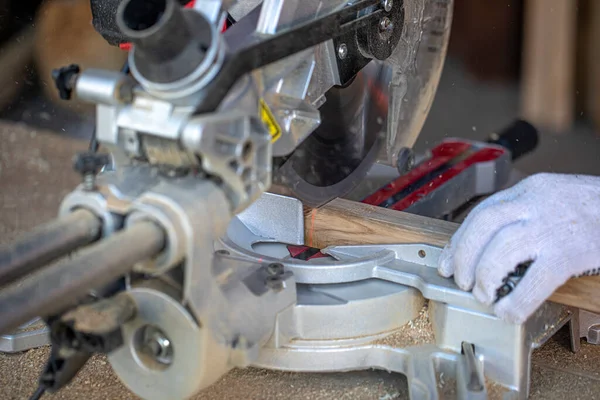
<point x="305" y="252"/>
<point x="448" y="160"/>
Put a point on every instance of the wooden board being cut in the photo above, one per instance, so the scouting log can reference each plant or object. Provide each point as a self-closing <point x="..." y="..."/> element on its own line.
<point x="344" y="222"/>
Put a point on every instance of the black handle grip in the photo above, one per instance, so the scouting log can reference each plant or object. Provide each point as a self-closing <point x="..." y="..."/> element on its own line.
<point x="519" y="138"/>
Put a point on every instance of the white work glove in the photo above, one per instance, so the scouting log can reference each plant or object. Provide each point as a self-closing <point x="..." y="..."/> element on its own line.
<point x="549" y="221"/>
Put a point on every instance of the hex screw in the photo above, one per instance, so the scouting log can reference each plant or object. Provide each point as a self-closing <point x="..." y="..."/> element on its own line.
<point x="275" y="269"/>
<point x="342" y="51"/>
<point x="405" y="161"/>
<point x="385" y="24"/>
<point x="387" y="5"/>
<point x="157" y="346"/>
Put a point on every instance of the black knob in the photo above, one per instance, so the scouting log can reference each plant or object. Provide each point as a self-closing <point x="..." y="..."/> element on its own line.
<point x="64" y="79"/>
<point x="520" y="138"/>
<point x="90" y="163"/>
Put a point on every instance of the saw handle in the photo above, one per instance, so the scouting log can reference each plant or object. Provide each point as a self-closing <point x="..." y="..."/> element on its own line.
<point x="519" y="138"/>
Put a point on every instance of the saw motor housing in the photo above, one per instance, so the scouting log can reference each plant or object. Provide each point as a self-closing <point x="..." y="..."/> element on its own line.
<point x="322" y="89"/>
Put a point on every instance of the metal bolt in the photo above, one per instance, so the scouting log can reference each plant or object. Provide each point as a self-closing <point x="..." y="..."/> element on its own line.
<point x="157" y="346"/>
<point x="342" y="51"/>
<point x="275" y="269"/>
<point x="405" y="161"/>
<point x="387" y="5"/>
<point x="89" y="164"/>
<point x="593" y="336"/>
<point x="385" y="24"/>
<point x="89" y="182"/>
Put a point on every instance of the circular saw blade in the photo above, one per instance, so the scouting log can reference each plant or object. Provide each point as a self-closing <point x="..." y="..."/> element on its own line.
<point x="334" y="158"/>
<point x="356" y="129"/>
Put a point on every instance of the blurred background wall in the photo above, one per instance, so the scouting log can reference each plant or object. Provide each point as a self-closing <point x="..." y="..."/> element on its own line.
<point x="536" y="59"/>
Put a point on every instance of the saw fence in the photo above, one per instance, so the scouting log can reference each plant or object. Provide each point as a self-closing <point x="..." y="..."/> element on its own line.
<point x="344" y="222"/>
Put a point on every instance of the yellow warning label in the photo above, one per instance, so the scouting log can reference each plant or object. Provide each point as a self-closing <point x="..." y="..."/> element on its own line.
<point x="269" y="120"/>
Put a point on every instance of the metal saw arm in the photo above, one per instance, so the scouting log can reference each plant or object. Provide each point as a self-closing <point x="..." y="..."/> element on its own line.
<point x="328" y="125"/>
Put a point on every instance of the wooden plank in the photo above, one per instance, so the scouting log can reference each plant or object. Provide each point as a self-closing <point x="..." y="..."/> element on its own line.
<point x="548" y="70"/>
<point x="344" y="222"/>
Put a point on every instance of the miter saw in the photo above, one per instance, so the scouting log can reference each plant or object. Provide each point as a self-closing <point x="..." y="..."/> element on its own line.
<point x="179" y="272"/>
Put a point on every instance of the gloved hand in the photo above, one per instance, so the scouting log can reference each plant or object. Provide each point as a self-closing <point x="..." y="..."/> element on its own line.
<point x="544" y="230"/>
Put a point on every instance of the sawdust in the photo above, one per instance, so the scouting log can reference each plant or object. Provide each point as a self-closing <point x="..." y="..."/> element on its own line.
<point x="35" y="174"/>
<point x="265" y="384"/>
<point x="447" y="387"/>
<point x="20" y="373"/>
<point x="33" y="327"/>
<point x="416" y="332"/>
<point x="556" y="354"/>
<point x="494" y="390"/>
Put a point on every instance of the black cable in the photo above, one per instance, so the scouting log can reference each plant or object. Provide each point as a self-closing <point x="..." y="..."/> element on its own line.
<point x="39" y="392"/>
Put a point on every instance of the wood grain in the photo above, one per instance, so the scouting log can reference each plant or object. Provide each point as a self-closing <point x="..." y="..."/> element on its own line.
<point x="344" y="222"/>
<point x="548" y="82"/>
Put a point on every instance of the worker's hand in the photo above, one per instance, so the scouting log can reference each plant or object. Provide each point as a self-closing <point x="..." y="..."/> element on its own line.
<point x="547" y="227"/>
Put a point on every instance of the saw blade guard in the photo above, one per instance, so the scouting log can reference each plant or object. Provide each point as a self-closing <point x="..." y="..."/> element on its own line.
<point x="375" y="116"/>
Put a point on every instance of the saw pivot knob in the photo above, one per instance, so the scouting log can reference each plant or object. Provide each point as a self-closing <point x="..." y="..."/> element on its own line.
<point x="64" y="79"/>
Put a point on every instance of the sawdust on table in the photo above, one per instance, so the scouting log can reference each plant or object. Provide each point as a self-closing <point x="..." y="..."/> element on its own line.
<point x="447" y="389"/>
<point x="20" y="373"/>
<point x="40" y="324"/>
<point x="418" y="331"/>
<point x="494" y="390"/>
<point x="96" y="381"/>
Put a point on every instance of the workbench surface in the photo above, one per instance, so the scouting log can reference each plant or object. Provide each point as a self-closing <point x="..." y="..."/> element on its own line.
<point x="35" y="173"/>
